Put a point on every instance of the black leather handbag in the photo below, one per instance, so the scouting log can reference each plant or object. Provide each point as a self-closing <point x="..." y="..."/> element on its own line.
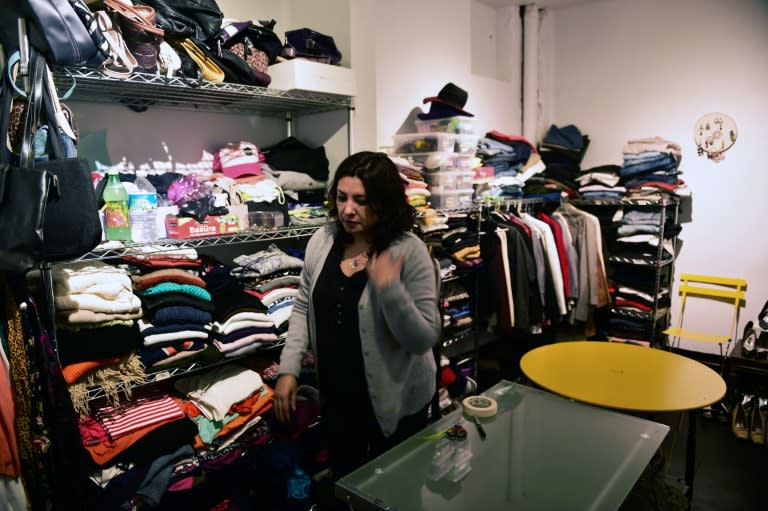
<point x="24" y="196"/>
<point x="181" y="19"/>
<point x="58" y="28"/>
<point x="48" y="209"/>
<point x="72" y="226"/>
<point x="313" y="45"/>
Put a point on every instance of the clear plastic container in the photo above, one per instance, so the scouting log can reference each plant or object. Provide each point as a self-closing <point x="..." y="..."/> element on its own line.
<point x="116" y="217"/>
<point x="458" y="124"/>
<point x="409" y="143"/>
<point x="449" y="180"/>
<point x="466" y="145"/>
<point x="451" y="199"/>
<point x="265" y="220"/>
<point x="431" y="161"/>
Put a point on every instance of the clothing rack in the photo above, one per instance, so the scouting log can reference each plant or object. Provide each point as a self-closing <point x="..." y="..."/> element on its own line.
<point x="522" y="204"/>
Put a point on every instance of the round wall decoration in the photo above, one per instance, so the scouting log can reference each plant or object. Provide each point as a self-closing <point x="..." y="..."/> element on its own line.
<point x="714" y="133"/>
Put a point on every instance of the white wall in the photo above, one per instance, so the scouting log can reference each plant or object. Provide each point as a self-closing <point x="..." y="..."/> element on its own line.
<point x="422" y="45"/>
<point x="622" y="69"/>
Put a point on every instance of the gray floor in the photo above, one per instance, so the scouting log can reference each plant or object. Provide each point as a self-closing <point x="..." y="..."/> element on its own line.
<point x="730" y="473"/>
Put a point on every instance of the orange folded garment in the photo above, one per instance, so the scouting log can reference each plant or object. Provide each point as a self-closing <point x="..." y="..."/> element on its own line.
<point x="73" y="372"/>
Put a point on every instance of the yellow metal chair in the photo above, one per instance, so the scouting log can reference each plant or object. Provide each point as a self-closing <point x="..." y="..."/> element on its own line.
<point x="723" y="290"/>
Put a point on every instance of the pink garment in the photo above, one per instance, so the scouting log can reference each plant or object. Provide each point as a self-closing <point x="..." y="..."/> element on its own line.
<point x="10" y="465"/>
<point x="133" y="416"/>
<point x="185" y="483"/>
<point x="498" y="135"/>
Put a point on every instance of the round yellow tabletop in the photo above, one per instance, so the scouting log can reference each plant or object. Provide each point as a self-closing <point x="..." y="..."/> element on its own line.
<point x="623" y="376"/>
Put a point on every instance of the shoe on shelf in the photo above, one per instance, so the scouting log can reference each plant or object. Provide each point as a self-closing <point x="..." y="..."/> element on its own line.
<point x="757" y="422"/>
<point x="739" y="424"/>
<point x="749" y="341"/>
<point x="721" y="411"/>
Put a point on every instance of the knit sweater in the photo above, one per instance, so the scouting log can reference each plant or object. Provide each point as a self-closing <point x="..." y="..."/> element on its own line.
<point x="399" y="324"/>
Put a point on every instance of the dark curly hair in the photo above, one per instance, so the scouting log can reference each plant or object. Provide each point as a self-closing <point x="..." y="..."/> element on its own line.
<point x="384" y="192"/>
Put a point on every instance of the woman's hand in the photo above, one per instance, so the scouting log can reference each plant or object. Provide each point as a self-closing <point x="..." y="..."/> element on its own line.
<point x="285" y="397"/>
<point x="383" y="269"/>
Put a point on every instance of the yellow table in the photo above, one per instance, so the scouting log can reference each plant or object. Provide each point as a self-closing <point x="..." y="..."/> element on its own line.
<point x="627" y="377"/>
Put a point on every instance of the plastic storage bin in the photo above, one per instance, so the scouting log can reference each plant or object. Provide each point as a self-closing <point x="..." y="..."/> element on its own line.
<point x="265" y="220"/>
<point x="458" y="124"/>
<point x="451" y="199"/>
<point x="466" y="145"/>
<point x="450" y="180"/>
<point x="431" y="161"/>
<point x="408" y="143"/>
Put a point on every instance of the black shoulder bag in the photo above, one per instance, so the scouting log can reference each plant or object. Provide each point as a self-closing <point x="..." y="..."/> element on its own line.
<point x="62" y="198"/>
<point x="24" y="196"/>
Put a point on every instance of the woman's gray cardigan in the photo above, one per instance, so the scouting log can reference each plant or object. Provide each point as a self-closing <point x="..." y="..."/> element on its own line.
<point x="398" y="327"/>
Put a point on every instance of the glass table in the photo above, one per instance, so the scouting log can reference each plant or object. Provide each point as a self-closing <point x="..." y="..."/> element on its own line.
<point x="541" y="452"/>
<point x="627" y="377"/>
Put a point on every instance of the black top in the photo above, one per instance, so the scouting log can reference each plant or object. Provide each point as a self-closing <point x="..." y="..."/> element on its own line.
<point x="341" y="370"/>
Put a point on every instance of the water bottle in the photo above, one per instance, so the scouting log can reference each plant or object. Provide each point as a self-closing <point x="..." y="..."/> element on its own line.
<point x="142" y="208"/>
<point x="116" y="208"/>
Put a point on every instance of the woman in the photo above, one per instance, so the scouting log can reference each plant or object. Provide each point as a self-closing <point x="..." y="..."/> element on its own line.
<point x="367" y="306"/>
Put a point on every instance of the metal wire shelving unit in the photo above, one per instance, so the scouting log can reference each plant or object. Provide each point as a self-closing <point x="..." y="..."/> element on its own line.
<point x="142" y="90"/>
<point x="107" y="251"/>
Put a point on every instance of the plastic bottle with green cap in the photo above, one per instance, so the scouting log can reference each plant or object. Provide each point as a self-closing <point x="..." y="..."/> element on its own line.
<point x="116" y="208"/>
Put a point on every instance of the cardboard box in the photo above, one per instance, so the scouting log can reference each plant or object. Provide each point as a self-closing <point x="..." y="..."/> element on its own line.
<point x="313" y="76"/>
<point x="189" y="228"/>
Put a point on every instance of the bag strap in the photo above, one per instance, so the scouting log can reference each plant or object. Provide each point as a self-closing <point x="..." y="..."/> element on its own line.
<point x="6" y="99"/>
<point x="57" y="111"/>
<point x="50" y="115"/>
<point x="14" y="59"/>
<point x="143" y="16"/>
<point x="34" y="99"/>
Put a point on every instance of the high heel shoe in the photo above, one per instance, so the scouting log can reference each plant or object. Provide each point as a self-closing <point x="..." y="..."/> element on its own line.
<point x="739" y="424"/>
<point x="757" y="422"/>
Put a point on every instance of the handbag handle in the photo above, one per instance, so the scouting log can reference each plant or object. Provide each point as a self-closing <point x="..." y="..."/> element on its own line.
<point x="43" y="108"/>
<point x="5" y="118"/>
<point x="15" y="58"/>
<point x="53" y="123"/>
<point x="34" y="103"/>
<point x="57" y="111"/>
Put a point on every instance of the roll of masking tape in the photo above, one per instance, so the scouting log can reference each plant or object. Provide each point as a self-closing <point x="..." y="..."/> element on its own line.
<point x="480" y="406"/>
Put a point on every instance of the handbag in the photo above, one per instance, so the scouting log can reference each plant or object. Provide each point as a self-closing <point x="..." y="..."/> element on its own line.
<point x="121" y="61"/>
<point x="141" y="36"/>
<point x="57" y="29"/>
<point x="208" y="67"/>
<point x="263" y="37"/>
<point x="234" y="37"/>
<point x="181" y="19"/>
<point x="71" y="225"/>
<point x="24" y="196"/>
<point x="237" y="70"/>
<point x="313" y="45"/>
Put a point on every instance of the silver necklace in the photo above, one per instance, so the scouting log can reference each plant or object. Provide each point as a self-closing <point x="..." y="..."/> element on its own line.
<point x="355" y="262"/>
